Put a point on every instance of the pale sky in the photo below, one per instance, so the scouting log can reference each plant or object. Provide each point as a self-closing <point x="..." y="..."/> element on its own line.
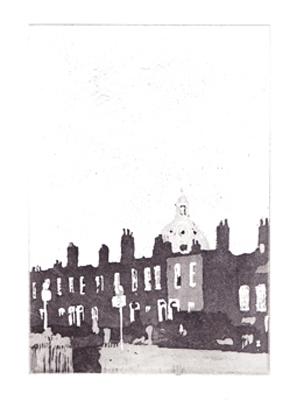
<point x="122" y="118"/>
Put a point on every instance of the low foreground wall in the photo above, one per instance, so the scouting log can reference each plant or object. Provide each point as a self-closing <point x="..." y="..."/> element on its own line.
<point x="50" y="353"/>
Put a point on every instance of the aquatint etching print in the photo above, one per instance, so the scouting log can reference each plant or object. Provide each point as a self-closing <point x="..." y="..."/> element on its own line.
<point x="149" y="199"/>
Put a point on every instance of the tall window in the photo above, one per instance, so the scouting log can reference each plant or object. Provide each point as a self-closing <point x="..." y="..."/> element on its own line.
<point x="177" y="276"/>
<point x="82" y="285"/>
<point x="99" y="283"/>
<point x="261" y="298"/>
<point x="134" y="280"/>
<point x="147" y="279"/>
<point x="157" y="269"/>
<point x="34" y="296"/>
<point x="102" y="282"/>
<point x="183" y="210"/>
<point x="71" y="284"/>
<point x="116" y="280"/>
<point x="192" y="274"/>
<point x="244" y="298"/>
<point x="59" y="286"/>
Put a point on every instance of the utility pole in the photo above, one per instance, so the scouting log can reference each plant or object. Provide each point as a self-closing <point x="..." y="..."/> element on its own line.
<point x="46" y="296"/>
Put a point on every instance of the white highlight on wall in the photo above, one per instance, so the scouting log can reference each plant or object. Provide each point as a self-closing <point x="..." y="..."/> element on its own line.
<point x="248" y="320"/>
<point x="147" y="279"/>
<point x="226" y="341"/>
<point x="244" y="298"/>
<point x="266" y="323"/>
<point x="134" y="280"/>
<point x="261" y="298"/>
<point x="192" y="274"/>
<point x="157" y="270"/>
<point x="191" y="306"/>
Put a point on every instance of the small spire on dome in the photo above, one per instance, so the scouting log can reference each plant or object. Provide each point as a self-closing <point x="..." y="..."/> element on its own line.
<point x="182" y="199"/>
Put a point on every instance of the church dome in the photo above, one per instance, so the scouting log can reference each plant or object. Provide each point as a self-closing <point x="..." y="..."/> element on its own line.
<point x="181" y="232"/>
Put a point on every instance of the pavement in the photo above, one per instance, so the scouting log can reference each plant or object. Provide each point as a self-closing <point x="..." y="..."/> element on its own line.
<point x="146" y="359"/>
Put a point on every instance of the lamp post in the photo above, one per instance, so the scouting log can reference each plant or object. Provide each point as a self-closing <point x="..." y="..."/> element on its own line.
<point x="119" y="301"/>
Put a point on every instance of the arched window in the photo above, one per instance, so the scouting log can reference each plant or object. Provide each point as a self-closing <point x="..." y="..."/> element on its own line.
<point x="177" y="276"/>
<point x="244" y="298"/>
<point x="79" y="315"/>
<point x="71" y="315"/>
<point x="162" y="310"/>
<point x="134" y="306"/>
<point x="61" y="311"/>
<point x="173" y="304"/>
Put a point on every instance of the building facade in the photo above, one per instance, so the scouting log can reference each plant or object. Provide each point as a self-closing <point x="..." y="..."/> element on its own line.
<point x="182" y="276"/>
